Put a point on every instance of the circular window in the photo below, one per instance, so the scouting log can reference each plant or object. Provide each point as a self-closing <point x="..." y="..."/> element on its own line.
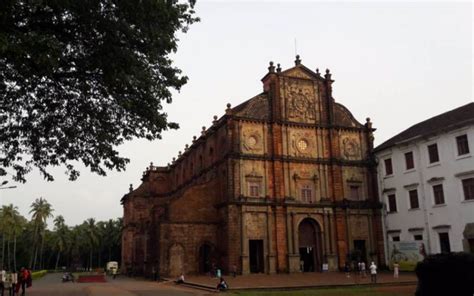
<point x="252" y="141"/>
<point x="302" y="145"/>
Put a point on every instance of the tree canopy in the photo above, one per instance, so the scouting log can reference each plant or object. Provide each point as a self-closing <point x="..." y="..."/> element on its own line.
<point x="79" y="78"/>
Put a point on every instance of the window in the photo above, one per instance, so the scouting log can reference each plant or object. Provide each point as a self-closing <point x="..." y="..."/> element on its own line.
<point x="418" y="237"/>
<point x="438" y="194"/>
<point x="254" y="189"/>
<point x="468" y="187"/>
<point x="433" y="153"/>
<point x="463" y="145"/>
<point x="444" y="245"/>
<point x="388" y="166"/>
<point x="414" y="204"/>
<point x="306" y="194"/>
<point x="395" y="238"/>
<point x="409" y="160"/>
<point x="392" y="203"/>
<point x="354" y="192"/>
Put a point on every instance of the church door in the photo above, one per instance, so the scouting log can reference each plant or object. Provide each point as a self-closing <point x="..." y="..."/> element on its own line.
<point x="309" y="235"/>
<point x="256" y="256"/>
<point x="205" y="258"/>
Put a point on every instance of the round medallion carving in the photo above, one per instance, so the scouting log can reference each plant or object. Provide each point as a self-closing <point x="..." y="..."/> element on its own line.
<point x="252" y="141"/>
<point x="302" y="145"/>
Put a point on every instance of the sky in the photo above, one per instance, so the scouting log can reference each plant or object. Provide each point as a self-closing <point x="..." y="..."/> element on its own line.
<point x="397" y="63"/>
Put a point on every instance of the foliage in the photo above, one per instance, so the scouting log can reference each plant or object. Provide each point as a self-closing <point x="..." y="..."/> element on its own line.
<point x="441" y="274"/>
<point x="38" y="274"/>
<point x="85" y="246"/>
<point x="78" y="78"/>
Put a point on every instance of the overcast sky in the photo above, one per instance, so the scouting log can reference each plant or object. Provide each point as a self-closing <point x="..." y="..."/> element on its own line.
<point x="397" y="63"/>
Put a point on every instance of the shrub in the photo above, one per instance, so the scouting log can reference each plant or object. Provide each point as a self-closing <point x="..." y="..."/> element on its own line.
<point x="443" y="274"/>
<point x="38" y="274"/>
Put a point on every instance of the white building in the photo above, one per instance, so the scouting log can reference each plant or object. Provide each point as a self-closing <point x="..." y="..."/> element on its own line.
<point x="426" y="182"/>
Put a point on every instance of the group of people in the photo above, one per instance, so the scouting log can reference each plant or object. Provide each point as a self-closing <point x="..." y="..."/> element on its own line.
<point x="12" y="282"/>
<point x="362" y="270"/>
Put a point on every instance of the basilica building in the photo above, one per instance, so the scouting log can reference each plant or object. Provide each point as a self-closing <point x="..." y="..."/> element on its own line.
<point x="284" y="182"/>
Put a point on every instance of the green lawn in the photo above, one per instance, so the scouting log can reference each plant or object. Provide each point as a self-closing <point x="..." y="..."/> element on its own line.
<point x="358" y="291"/>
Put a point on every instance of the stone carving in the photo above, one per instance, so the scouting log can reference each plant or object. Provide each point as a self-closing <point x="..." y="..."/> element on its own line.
<point x="252" y="140"/>
<point x="351" y="148"/>
<point x="298" y="74"/>
<point x="301" y="100"/>
<point x="302" y="144"/>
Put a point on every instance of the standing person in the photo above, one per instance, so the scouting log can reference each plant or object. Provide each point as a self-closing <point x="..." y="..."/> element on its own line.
<point x="29" y="281"/>
<point x="362" y="269"/>
<point x="373" y="272"/>
<point x="15" y="285"/>
<point x="3" y="275"/>
<point x="114" y="273"/>
<point x="347" y="270"/>
<point x="23" y="279"/>
<point x="396" y="268"/>
<point x="7" y="284"/>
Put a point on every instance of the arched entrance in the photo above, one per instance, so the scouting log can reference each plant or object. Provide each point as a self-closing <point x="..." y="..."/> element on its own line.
<point x="309" y="242"/>
<point x="205" y="258"/>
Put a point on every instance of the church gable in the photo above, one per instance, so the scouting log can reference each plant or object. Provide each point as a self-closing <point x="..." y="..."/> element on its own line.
<point x="298" y="72"/>
<point x="255" y="108"/>
<point x="343" y="117"/>
<point x="300" y="99"/>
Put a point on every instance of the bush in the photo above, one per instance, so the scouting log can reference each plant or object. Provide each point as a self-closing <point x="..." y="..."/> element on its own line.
<point x="443" y="274"/>
<point x="38" y="274"/>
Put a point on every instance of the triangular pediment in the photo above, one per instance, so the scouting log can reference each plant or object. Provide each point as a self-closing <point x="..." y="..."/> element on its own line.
<point x="298" y="73"/>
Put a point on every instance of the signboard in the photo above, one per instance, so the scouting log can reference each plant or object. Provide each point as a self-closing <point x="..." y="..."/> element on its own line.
<point x="406" y="253"/>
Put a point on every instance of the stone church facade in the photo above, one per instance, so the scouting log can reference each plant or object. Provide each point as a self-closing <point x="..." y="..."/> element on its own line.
<point x="283" y="182"/>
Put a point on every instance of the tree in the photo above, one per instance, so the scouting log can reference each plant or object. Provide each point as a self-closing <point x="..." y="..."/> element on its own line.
<point x="78" y="78"/>
<point x="41" y="210"/>
<point x="92" y="237"/>
<point x="61" y="237"/>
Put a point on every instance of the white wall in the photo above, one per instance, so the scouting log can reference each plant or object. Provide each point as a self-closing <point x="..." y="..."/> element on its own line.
<point x="455" y="213"/>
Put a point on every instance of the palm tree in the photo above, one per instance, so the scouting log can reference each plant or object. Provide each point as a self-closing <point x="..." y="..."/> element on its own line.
<point x="41" y="210"/>
<point x="12" y="225"/>
<point x="92" y="236"/>
<point x="61" y="237"/>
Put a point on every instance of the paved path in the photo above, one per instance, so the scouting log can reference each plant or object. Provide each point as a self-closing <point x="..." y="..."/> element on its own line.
<point x="51" y="285"/>
<point x="309" y="279"/>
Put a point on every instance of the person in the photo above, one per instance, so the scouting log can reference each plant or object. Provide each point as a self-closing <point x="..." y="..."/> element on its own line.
<point x="396" y="268"/>
<point x="218" y="273"/>
<point x="222" y="286"/>
<point x="234" y="270"/>
<point x="114" y="273"/>
<point x="29" y="281"/>
<point x="15" y="285"/>
<point x="154" y="273"/>
<point x="180" y="279"/>
<point x="362" y="269"/>
<point x="23" y="279"/>
<point x="373" y="272"/>
<point x="347" y="270"/>
<point x="3" y="275"/>
<point x="7" y="284"/>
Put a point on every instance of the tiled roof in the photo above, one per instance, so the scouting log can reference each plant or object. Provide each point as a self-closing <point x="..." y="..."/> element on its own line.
<point x="255" y="108"/>
<point x="453" y="119"/>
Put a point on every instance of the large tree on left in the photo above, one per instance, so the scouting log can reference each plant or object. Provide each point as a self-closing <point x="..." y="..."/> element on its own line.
<point x="78" y="78"/>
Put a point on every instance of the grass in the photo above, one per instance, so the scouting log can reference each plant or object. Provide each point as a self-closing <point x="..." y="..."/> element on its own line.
<point x="38" y="274"/>
<point x="357" y="291"/>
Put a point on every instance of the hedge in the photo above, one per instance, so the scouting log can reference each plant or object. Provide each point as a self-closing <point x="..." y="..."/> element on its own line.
<point x="38" y="274"/>
<point x="446" y="274"/>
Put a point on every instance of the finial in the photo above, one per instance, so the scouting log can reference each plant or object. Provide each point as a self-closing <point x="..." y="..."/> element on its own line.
<point x="368" y="124"/>
<point x="151" y="165"/>
<point x="179" y="153"/>
<point x="271" y="69"/>
<point x="215" y="119"/>
<point x="228" y="110"/>
<point x="228" y="105"/>
<point x="278" y="68"/>
<point x="298" y="60"/>
<point x="174" y="159"/>
<point x="203" y="132"/>
<point x="186" y="147"/>
<point x="130" y="188"/>
<point x="328" y="75"/>
<point x="317" y="72"/>
<point x="194" y="139"/>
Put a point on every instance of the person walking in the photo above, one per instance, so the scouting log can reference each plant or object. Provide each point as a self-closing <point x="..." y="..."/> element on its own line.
<point x="396" y="268"/>
<point x="362" y="269"/>
<point x="3" y="275"/>
<point x="373" y="272"/>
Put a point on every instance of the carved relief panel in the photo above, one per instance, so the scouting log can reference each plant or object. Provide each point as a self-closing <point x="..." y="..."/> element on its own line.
<point x="305" y="182"/>
<point x="252" y="139"/>
<point x="355" y="186"/>
<point x="300" y="100"/>
<point x="302" y="143"/>
<point x="350" y="147"/>
<point x="253" y="185"/>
